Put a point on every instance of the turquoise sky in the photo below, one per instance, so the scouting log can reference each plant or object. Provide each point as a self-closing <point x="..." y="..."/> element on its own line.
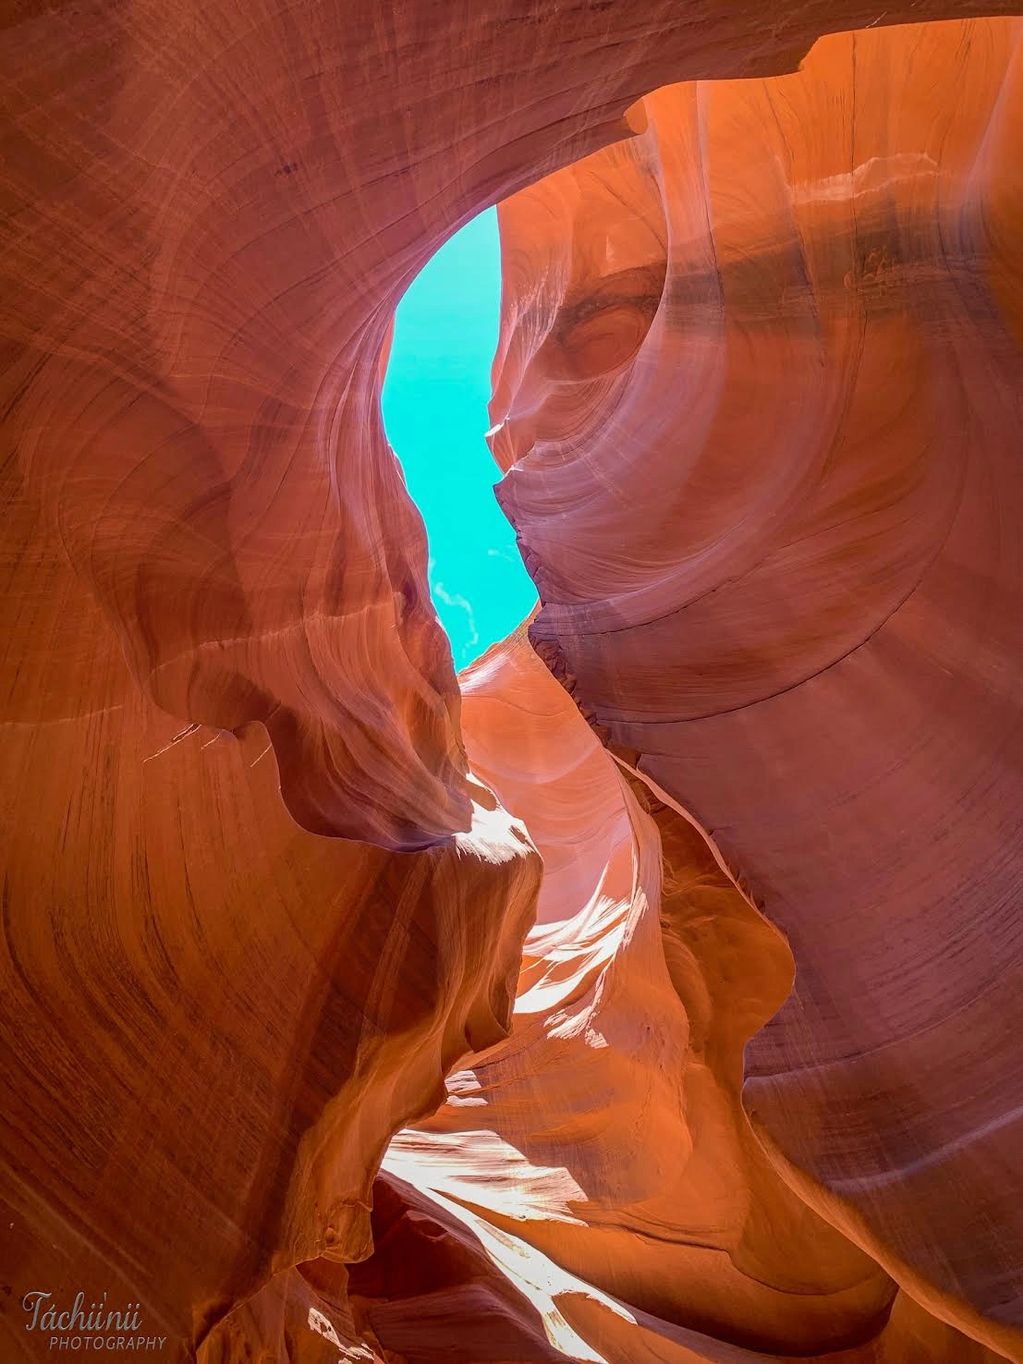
<point x="435" y="411"/>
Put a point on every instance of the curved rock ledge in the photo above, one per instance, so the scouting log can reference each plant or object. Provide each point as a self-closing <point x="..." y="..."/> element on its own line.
<point x="772" y="511"/>
<point x="268" y="874"/>
<point x="593" y="1189"/>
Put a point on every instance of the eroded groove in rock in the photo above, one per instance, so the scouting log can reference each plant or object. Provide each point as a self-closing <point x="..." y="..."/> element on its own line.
<point x="591" y="1189"/>
<point x="214" y="212"/>
<point x="214" y="1019"/>
<point x="771" y="510"/>
<point x="220" y="663"/>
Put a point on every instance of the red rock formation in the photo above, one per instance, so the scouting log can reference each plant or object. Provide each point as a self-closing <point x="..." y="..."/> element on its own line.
<point x="593" y="1183"/>
<point x="760" y="384"/>
<point x="220" y="666"/>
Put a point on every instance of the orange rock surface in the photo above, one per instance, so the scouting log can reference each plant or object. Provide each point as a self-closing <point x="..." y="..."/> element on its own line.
<point x="759" y="399"/>
<point x="268" y="874"/>
<point x="593" y="1185"/>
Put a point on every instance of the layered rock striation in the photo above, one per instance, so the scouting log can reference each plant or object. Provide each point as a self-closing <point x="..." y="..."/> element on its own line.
<point x="723" y="982"/>
<point x="758" y="399"/>
<point x="591" y="1188"/>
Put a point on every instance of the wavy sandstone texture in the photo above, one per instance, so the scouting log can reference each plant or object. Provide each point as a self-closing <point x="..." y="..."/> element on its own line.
<point x="648" y="1224"/>
<point x="268" y="874"/>
<point x="795" y="605"/>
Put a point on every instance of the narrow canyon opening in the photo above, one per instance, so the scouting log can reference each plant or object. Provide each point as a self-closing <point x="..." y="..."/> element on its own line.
<point x="434" y="401"/>
<point x="649" y="990"/>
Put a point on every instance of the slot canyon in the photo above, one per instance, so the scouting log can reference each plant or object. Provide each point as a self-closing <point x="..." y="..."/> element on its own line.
<point x="649" y="991"/>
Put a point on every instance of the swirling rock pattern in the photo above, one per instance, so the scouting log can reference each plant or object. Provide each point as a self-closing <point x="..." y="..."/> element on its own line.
<point x="760" y="407"/>
<point x="591" y="1189"/>
<point x="257" y="902"/>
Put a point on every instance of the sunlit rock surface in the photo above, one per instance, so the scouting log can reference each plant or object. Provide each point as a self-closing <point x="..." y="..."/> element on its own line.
<point x="759" y="369"/>
<point x="594" y="1189"/>
<point x="761" y="386"/>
